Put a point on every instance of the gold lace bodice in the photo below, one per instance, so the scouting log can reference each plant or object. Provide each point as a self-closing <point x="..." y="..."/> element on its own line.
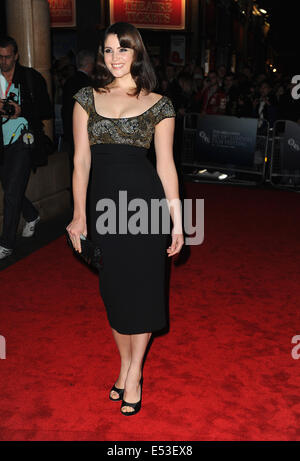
<point x="137" y="130"/>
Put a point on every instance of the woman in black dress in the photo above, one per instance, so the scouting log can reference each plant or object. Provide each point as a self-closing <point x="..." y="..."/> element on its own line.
<point x="114" y="122"/>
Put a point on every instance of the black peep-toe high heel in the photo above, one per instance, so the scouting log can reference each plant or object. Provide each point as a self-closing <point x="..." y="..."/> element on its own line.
<point x="119" y="391"/>
<point x="136" y="406"/>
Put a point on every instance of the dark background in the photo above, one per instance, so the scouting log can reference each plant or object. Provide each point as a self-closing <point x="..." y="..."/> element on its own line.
<point x="284" y="32"/>
<point x="2" y="18"/>
<point x="284" y="17"/>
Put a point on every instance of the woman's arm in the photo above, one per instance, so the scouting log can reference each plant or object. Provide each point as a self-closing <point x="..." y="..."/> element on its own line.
<point x="81" y="172"/>
<point x="166" y="170"/>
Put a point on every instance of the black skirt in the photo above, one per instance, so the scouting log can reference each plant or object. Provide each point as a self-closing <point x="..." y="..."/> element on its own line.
<point x="132" y="280"/>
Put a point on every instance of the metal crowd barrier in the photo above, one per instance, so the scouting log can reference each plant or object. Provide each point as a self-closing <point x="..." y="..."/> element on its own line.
<point x="285" y="155"/>
<point x="224" y="148"/>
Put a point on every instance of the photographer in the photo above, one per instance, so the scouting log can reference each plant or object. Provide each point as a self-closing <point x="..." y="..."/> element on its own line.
<point x="24" y="103"/>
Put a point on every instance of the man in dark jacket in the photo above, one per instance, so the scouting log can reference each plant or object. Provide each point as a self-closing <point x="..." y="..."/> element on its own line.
<point x="266" y="107"/>
<point x="24" y="103"/>
<point x="85" y="60"/>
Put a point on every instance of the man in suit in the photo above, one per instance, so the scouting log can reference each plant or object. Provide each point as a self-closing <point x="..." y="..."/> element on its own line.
<point x="85" y="61"/>
<point x="266" y="107"/>
<point x="24" y="104"/>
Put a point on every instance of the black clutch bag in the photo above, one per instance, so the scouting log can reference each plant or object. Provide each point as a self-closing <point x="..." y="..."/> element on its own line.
<point x="90" y="253"/>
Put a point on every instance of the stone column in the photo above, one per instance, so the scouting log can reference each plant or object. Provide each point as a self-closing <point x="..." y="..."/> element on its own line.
<point x="28" y="22"/>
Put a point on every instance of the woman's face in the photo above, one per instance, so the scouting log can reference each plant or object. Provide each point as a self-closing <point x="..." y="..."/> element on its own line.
<point x="118" y="60"/>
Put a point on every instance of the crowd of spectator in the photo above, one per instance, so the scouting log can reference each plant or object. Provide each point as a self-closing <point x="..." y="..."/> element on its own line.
<point x="264" y="96"/>
<point x="242" y="94"/>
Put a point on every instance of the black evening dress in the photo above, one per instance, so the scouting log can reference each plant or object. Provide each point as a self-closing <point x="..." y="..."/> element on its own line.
<point x="132" y="277"/>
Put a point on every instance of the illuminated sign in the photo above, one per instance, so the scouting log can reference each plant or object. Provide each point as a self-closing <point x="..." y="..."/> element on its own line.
<point x="149" y="14"/>
<point x="62" y="13"/>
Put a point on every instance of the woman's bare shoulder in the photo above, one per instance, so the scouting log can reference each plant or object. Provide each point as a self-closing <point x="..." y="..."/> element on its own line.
<point x="154" y="97"/>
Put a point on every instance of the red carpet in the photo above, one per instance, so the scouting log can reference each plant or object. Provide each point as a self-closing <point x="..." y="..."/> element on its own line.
<point x="224" y="371"/>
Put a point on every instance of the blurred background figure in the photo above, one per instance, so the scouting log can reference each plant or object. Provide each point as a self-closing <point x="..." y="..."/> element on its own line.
<point x="185" y="98"/>
<point x="265" y="107"/>
<point x="213" y="98"/>
<point x="62" y="69"/>
<point x="231" y="92"/>
<point x="85" y="61"/>
<point x="221" y="72"/>
<point x="171" y="75"/>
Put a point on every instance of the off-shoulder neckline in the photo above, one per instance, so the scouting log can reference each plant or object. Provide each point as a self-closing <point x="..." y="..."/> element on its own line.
<point x="124" y="118"/>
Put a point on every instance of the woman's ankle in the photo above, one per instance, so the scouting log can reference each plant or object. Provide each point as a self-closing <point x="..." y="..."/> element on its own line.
<point x="134" y="372"/>
<point x="123" y="371"/>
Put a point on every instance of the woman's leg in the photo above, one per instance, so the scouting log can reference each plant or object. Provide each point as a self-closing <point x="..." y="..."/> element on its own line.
<point x="124" y="346"/>
<point x="132" y="393"/>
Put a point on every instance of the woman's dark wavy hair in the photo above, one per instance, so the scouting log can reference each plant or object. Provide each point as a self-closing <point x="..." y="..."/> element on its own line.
<point x="141" y="68"/>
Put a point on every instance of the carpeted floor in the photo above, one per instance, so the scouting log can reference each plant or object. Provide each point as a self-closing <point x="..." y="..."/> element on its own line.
<point x="224" y="370"/>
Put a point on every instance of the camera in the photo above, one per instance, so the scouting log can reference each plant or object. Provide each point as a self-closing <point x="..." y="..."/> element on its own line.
<point x="8" y="109"/>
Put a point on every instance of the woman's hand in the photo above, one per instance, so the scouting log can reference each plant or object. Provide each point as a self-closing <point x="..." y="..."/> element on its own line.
<point x="177" y="243"/>
<point x="75" y="229"/>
